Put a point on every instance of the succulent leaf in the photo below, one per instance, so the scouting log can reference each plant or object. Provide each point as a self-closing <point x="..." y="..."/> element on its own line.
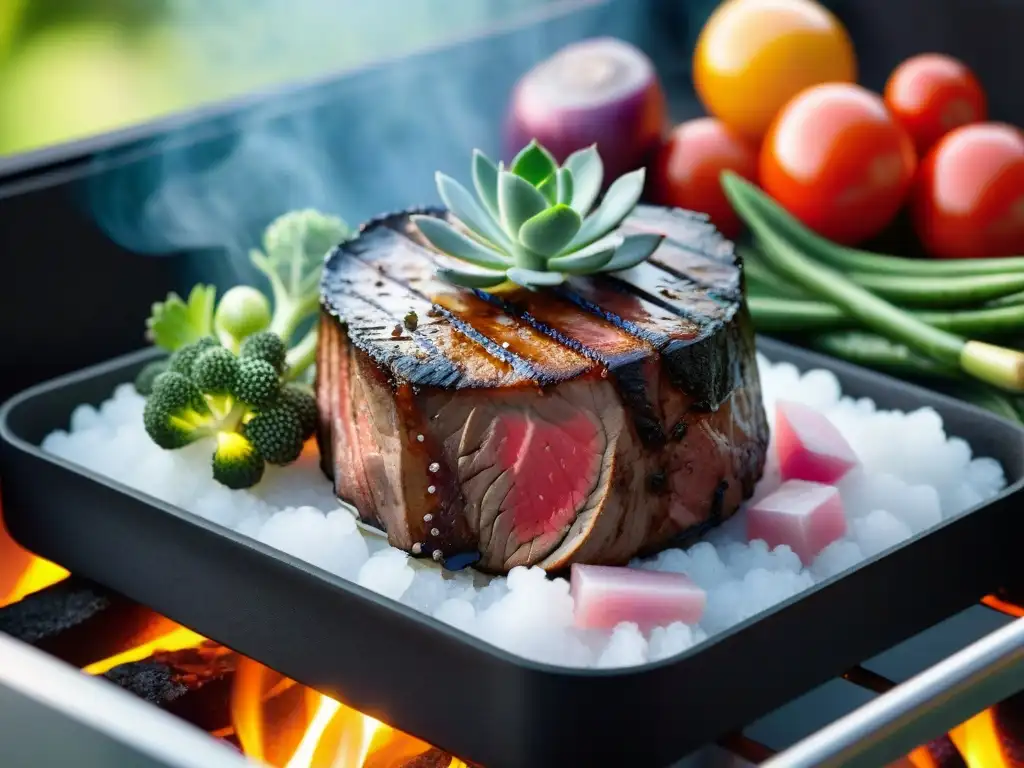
<point x="551" y="230"/>
<point x="468" y="278"/>
<point x="565" y="187"/>
<point x="529" y="225"/>
<point x="587" y="174"/>
<point x="485" y="180"/>
<point x="534" y="164"/>
<point x="589" y="259"/>
<point x="518" y="201"/>
<point x="634" y="250"/>
<point x="549" y="188"/>
<point x="447" y="239"/>
<point x="619" y="200"/>
<point x="461" y="203"/>
<point x="531" y="278"/>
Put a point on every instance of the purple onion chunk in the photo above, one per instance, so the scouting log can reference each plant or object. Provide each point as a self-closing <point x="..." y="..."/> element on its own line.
<point x="601" y="91"/>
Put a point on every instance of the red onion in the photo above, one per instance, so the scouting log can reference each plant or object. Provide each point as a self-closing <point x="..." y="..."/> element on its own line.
<point x="602" y="91"/>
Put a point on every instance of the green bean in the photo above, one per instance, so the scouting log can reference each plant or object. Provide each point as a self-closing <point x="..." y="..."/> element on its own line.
<point x="855" y="260"/>
<point x="759" y="274"/>
<point x="778" y="314"/>
<point x="907" y="290"/>
<point x="999" y="366"/>
<point x="873" y="351"/>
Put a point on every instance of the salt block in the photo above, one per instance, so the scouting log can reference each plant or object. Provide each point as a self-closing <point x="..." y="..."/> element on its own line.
<point x="809" y="446"/>
<point x="605" y="596"/>
<point x="806" y="516"/>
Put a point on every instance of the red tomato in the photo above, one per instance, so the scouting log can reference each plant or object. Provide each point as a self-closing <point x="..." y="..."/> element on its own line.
<point x="838" y="161"/>
<point x="687" y="169"/>
<point x="968" y="201"/>
<point x="932" y="94"/>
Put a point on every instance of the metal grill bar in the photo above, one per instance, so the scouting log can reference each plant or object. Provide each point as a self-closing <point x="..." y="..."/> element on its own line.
<point x="910" y="714"/>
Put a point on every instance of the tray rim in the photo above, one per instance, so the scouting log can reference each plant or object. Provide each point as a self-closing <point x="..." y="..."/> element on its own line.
<point x="764" y="346"/>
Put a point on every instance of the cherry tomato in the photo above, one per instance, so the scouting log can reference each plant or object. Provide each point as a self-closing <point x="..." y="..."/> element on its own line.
<point x="686" y="170"/>
<point x="968" y="200"/>
<point x="752" y="56"/>
<point x="932" y="94"/>
<point x="838" y="161"/>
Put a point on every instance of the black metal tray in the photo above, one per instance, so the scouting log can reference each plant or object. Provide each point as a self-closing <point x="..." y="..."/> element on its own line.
<point x="460" y="693"/>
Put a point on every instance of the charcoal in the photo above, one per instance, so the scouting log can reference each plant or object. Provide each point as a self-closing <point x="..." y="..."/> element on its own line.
<point x="432" y="758"/>
<point x="938" y="753"/>
<point x="80" y="622"/>
<point x="193" y="683"/>
<point x="1009" y="722"/>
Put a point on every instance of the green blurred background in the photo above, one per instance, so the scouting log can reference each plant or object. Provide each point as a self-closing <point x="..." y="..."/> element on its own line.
<point x="73" y="68"/>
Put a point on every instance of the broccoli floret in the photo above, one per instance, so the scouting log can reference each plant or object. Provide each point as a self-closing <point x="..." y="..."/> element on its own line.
<point x="257" y="384"/>
<point x="176" y="413"/>
<point x="233" y="366"/>
<point x="236" y="462"/>
<point x="144" y="381"/>
<point x="302" y="401"/>
<point x="185" y="357"/>
<point x="174" y="323"/>
<point x="215" y="371"/>
<point x="265" y="346"/>
<point x="256" y="418"/>
<point x="277" y="434"/>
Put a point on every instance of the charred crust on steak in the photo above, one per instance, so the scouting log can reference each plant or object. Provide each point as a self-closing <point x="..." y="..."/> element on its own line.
<point x="717" y="499"/>
<point x="715" y="517"/>
<point x="657" y="482"/>
<point x="679" y="430"/>
<point x="666" y="347"/>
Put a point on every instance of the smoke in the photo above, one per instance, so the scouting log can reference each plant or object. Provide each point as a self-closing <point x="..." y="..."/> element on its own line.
<point x="355" y="146"/>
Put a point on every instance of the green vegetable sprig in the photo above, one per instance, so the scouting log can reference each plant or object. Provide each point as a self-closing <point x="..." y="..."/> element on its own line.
<point x="242" y="401"/>
<point x="235" y="367"/>
<point x="294" y="246"/>
<point x="532" y="224"/>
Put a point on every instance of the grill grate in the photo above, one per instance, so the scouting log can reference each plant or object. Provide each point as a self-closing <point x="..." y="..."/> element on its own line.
<point x="83" y="624"/>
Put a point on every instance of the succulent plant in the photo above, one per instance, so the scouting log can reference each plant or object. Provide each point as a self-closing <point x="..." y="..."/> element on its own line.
<point x="532" y="224"/>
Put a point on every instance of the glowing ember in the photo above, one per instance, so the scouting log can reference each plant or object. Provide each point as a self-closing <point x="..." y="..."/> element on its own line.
<point x="978" y="742"/>
<point x="175" y="640"/>
<point x="1002" y="606"/>
<point x="922" y="758"/>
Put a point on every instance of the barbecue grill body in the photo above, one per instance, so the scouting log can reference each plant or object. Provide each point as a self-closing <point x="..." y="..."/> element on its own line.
<point x="430" y="680"/>
<point x="74" y="297"/>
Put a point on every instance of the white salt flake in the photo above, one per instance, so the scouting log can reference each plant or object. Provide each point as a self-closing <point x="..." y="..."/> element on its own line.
<point x="912" y="477"/>
<point x="458" y="613"/>
<point x="626" y="647"/>
<point x="879" y="531"/>
<point x="387" y="573"/>
<point x="672" y="640"/>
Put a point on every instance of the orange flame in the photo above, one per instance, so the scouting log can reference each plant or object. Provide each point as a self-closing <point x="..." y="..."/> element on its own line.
<point x="331" y="734"/>
<point x="21" y="572"/>
<point x="978" y="742"/>
<point x="175" y="640"/>
<point x="38" y="574"/>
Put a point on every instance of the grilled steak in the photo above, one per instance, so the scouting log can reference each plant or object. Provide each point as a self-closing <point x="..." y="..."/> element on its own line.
<point x="612" y="416"/>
